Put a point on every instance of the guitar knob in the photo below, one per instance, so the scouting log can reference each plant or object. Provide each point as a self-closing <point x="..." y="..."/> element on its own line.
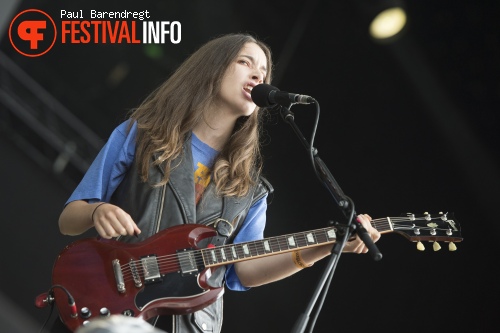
<point x="85" y="312"/>
<point x="104" y="312"/>
<point x="128" y="313"/>
<point x="452" y="246"/>
<point x="420" y="246"/>
<point x="436" y="246"/>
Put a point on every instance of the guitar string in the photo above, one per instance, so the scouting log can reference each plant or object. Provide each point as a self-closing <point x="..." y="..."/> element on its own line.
<point x="172" y="262"/>
<point x="162" y="263"/>
<point x="159" y="265"/>
<point x="276" y="244"/>
<point x="169" y="262"/>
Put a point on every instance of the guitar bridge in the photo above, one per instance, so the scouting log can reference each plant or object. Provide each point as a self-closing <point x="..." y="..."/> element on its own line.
<point x="120" y="284"/>
<point x="135" y="274"/>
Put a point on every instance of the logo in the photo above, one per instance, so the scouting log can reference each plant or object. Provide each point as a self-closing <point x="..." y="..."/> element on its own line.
<point x="32" y="33"/>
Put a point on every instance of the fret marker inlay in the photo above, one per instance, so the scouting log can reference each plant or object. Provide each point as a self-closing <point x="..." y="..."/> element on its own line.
<point x="331" y="233"/>
<point x="310" y="238"/>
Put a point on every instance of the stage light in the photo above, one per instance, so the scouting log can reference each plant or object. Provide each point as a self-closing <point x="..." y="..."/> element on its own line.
<point x="385" y="19"/>
<point x="388" y="23"/>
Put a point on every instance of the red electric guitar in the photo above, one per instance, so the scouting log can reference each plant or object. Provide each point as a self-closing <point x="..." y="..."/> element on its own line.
<point x="167" y="273"/>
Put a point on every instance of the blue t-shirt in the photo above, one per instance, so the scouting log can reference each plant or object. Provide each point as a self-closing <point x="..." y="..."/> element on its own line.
<point x="115" y="158"/>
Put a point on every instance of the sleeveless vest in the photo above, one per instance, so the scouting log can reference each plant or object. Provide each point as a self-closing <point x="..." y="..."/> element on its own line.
<point x="158" y="208"/>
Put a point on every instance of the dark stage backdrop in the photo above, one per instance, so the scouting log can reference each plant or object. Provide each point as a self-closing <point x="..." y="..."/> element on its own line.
<point x="405" y="127"/>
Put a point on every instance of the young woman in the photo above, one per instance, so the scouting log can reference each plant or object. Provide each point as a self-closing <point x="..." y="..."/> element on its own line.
<point x="190" y="154"/>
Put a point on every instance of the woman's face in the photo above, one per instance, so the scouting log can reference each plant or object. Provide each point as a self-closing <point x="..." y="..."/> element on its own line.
<point x="247" y="70"/>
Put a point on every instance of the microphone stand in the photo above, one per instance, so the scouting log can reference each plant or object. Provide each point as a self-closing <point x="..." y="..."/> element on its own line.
<point x="346" y="205"/>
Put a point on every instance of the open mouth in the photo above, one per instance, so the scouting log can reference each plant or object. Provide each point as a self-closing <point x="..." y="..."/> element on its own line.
<point x="248" y="89"/>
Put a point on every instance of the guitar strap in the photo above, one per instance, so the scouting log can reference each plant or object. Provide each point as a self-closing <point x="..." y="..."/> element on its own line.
<point x="225" y="226"/>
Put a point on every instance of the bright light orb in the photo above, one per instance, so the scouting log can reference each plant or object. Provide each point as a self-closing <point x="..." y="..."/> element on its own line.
<point x="388" y="23"/>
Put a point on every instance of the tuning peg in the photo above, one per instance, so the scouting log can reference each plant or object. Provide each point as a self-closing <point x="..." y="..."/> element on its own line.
<point x="420" y="246"/>
<point x="436" y="246"/>
<point x="452" y="246"/>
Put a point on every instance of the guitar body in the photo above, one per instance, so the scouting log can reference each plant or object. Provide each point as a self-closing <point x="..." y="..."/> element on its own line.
<point x="140" y="280"/>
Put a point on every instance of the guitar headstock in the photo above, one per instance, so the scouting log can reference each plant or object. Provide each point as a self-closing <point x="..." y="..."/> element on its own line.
<point x="436" y="228"/>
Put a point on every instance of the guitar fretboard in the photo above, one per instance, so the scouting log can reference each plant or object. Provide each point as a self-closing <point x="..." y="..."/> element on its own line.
<point x="250" y="250"/>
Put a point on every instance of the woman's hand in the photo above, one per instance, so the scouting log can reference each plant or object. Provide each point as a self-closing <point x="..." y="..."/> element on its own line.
<point x="112" y="221"/>
<point x="357" y="245"/>
<point x="109" y="220"/>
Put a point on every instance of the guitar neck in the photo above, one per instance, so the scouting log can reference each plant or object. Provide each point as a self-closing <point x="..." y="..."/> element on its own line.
<point x="227" y="254"/>
<point x="440" y="227"/>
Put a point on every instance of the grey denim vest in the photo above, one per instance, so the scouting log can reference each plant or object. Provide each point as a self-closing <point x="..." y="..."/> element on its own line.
<point x="158" y="208"/>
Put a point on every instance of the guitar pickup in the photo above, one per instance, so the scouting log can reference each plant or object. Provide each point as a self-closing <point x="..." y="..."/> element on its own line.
<point x="187" y="262"/>
<point x="150" y="269"/>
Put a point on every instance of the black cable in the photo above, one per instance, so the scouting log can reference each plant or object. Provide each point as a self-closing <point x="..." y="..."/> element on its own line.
<point x="312" y="150"/>
<point x="71" y="300"/>
<point x="47" y="320"/>
<point x="50" y="300"/>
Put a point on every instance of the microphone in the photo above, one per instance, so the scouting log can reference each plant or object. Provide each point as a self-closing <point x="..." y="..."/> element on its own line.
<point x="265" y="95"/>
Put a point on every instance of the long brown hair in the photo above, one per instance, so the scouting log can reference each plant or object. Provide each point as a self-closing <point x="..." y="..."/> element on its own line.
<point x="167" y="116"/>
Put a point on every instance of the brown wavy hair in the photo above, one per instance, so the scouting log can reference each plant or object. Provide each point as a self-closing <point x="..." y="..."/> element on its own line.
<point x="167" y="116"/>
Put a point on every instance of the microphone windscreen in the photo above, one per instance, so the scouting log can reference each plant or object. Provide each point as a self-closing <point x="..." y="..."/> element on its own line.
<point x="260" y="94"/>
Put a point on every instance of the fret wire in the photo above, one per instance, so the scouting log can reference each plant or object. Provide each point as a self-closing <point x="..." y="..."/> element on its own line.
<point x="217" y="255"/>
<point x="313" y="240"/>
<point x="234" y="253"/>
<point x="243" y="247"/>
<point x="315" y="236"/>
<point x="207" y="256"/>
<point x="239" y="251"/>
<point x="283" y="243"/>
<point x="252" y="248"/>
<point x="306" y="238"/>
<point x="259" y="247"/>
<point x="291" y="242"/>
<point x="225" y="250"/>
<point x="275" y="244"/>
<point x="321" y="236"/>
<point x="301" y="239"/>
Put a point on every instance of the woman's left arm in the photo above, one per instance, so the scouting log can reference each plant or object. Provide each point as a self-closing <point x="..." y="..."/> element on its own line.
<point x="265" y="270"/>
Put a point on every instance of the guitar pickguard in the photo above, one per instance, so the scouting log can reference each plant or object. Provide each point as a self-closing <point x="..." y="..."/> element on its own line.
<point x="171" y="285"/>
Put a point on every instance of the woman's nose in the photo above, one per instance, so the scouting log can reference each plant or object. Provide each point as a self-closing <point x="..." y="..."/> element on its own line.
<point x="259" y="77"/>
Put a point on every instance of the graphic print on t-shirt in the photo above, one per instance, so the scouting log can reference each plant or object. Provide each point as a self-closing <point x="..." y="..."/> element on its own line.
<point x="201" y="180"/>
